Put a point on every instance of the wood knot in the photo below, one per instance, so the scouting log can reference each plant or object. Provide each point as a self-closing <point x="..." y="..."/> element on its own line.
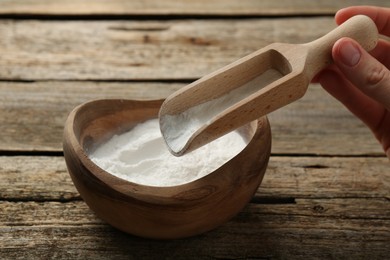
<point x="318" y="209"/>
<point x="200" y="41"/>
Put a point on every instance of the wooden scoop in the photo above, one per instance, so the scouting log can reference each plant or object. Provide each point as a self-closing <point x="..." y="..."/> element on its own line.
<point x="251" y="87"/>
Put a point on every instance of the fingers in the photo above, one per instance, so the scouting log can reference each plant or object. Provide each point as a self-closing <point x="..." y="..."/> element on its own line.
<point x="361" y="81"/>
<point x="380" y="15"/>
<point x="362" y="70"/>
<point x="364" y="107"/>
<point x="381" y="52"/>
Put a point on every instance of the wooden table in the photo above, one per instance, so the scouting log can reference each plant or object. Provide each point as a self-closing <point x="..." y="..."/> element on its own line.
<point x="326" y="193"/>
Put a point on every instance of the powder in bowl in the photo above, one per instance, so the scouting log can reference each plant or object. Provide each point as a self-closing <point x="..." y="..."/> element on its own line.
<point x="141" y="156"/>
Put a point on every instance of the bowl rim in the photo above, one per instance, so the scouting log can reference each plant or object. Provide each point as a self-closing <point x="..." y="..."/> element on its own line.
<point x="142" y="191"/>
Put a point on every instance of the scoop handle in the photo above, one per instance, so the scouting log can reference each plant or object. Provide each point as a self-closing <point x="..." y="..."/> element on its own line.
<point x="360" y="28"/>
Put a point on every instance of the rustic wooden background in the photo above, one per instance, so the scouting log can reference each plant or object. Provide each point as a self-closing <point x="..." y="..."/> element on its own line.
<point x="326" y="193"/>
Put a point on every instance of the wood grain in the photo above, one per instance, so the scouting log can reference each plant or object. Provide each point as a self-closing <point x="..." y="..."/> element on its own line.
<point x="76" y="213"/>
<point x="332" y="204"/>
<point x="320" y="177"/>
<point x="314" y="207"/>
<point x="35" y="178"/>
<point x="39" y="178"/>
<point x="32" y="117"/>
<point x="176" y="7"/>
<point x="69" y="230"/>
<point x="133" y="50"/>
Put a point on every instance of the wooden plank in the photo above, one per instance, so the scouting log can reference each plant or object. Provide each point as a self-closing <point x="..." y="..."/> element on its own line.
<point x="70" y="230"/>
<point x="176" y="7"/>
<point x="39" y="178"/>
<point x="128" y="50"/>
<point x="32" y="117"/>
<point x="337" y="201"/>
<point x="318" y="124"/>
<point x="47" y="213"/>
<point x="33" y="114"/>
<point x="75" y="213"/>
<point x="25" y="178"/>
<point x="337" y="239"/>
<point x="322" y="177"/>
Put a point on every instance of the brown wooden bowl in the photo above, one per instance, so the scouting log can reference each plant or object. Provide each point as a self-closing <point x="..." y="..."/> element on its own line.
<point x="159" y="212"/>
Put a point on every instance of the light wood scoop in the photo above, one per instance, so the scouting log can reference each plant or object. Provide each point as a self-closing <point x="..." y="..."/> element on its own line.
<point x="251" y="87"/>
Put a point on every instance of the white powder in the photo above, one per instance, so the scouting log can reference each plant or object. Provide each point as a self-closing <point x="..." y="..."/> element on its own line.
<point x="141" y="156"/>
<point x="178" y="129"/>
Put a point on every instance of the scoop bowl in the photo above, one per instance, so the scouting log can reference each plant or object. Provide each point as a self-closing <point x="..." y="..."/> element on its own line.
<point x="159" y="212"/>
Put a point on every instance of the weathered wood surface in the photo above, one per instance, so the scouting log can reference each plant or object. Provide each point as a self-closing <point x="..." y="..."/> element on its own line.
<point x="129" y="50"/>
<point x="45" y="178"/>
<point x="32" y="117"/>
<point x="176" y="7"/>
<point x="42" y="216"/>
<point x="76" y="213"/>
<point x="140" y="50"/>
<point x="70" y="230"/>
<point x="326" y="190"/>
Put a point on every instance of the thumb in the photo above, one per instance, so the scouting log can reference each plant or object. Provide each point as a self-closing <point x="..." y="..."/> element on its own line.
<point x="363" y="70"/>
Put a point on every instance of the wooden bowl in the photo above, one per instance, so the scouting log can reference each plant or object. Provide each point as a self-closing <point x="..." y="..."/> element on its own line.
<point x="159" y="212"/>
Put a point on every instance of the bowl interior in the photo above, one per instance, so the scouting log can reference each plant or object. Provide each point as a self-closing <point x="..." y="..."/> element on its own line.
<point x="97" y="121"/>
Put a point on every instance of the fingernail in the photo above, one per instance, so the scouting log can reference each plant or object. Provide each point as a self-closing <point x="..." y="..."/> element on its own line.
<point x="349" y="54"/>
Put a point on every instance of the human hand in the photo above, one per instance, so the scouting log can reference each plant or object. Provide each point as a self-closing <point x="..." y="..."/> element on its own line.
<point x="361" y="80"/>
